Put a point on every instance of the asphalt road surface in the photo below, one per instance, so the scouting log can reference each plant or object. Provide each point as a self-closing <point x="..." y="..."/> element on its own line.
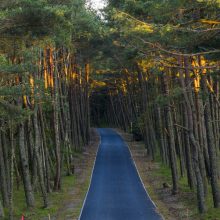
<point x="116" y="191"/>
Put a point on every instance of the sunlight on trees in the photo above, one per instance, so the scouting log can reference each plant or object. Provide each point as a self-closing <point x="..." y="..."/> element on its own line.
<point x="152" y="64"/>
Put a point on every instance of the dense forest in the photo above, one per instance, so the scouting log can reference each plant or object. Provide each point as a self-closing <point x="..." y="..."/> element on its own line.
<point x="149" y="67"/>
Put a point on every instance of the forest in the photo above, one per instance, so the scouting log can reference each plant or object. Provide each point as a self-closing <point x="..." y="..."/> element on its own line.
<point x="150" y="68"/>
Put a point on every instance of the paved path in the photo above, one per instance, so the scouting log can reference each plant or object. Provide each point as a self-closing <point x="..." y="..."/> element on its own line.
<point x="116" y="191"/>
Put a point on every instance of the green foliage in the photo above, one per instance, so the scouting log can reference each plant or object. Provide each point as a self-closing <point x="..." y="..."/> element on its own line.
<point x="30" y="18"/>
<point x="173" y="24"/>
<point x="27" y="27"/>
<point x="3" y="60"/>
<point x="162" y="100"/>
<point x="136" y="130"/>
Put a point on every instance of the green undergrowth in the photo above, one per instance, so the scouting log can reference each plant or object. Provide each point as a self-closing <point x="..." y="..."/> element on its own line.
<point x="37" y="213"/>
<point x="74" y="214"/>
<point x="164" y="173"/>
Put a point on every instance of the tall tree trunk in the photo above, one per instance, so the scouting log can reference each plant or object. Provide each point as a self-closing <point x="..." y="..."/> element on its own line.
<point x="2" y="214"/>
<point x="11" y="179"/>
<point x="161" y="136"/>
<point x="195" y="144"/>
<point x="179" y="147"/>
<point x="25" y="169"/>
<point x="57" y="180"/>
<point x="189" y="163"/>
<point x="3" y="176"/>
<point x="46" y="153"/>
<point x="211" y="147"/>
<point x="6" y="150"/>
<point x="39" y="160"/>
<point x="171" y="138"/>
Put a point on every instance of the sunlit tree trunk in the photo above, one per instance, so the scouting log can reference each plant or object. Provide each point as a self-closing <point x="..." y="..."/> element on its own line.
<point x="186" y="88"/>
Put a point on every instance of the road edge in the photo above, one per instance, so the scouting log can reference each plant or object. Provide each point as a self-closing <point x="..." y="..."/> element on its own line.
<point x="90" y="181"/>
<point x="145" y="189"/>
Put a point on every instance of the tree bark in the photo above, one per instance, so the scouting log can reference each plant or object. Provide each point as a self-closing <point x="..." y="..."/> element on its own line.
<point x="3" y="176"/>
<point x="171" y="138"/>
<point x="39" y="160"/>
<point x="25" y="169"/>
<point x="57" y="180"/>
<point x="195" y="144"/>
<point x="2" y="214"/>
<point x="211" y="147"/>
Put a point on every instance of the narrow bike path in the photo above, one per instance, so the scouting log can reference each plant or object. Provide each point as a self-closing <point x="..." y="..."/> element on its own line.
<point x="116" y="191"/>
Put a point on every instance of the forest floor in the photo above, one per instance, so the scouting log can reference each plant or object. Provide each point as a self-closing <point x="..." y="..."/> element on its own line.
<point x="154" y="174"/>
<point x="71" y="206"/>
<point x="65" y="204"/>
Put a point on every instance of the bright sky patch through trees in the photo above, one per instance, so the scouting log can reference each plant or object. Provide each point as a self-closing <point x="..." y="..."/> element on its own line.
<point x="97" y="4"/>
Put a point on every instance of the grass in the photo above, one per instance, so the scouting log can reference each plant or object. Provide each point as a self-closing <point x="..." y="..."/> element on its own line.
<point x="55" y="200"/>
<point x="212" y="213"/>
<point x="164" y="173"/>
<point x="81" y="193"/>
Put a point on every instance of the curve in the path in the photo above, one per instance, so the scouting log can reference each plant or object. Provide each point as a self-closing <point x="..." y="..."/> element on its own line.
<point x="116" y="191"/>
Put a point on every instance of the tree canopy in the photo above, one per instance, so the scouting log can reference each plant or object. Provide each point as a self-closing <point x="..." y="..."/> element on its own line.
<point x="148" y="67"/>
